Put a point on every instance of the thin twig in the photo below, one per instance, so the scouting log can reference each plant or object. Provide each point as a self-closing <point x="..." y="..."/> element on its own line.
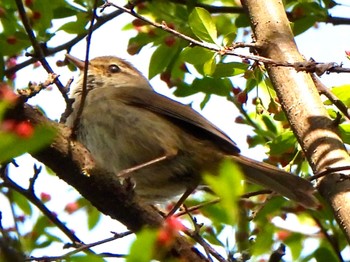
<point x="308" y="66"/>
<point x="38" y="51"/>
<point x="86" y="68"/>
<point x="28" y="193"/>
<point x="322" y="89"/>
<point x="331" y="240"/>
<point x="85" y="247"/>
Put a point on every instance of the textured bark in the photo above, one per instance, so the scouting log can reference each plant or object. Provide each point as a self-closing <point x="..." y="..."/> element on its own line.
<point x="300" y="100"/>
<point x="72" y="163"/>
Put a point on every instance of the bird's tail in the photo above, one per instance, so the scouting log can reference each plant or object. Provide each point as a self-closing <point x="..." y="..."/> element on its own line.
<point x="291" y="186"/>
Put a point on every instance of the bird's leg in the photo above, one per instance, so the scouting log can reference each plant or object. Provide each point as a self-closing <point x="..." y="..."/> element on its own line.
<point x="126" y="172"/>
<point x="182" y="199"/>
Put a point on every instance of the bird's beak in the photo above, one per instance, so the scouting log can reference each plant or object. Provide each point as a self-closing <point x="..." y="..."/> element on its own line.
<point x="77" y="62"/>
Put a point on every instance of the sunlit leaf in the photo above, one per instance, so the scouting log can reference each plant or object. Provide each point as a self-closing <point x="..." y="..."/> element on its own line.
<point x="343" y="93"/>
<point x="196" y="55"/>
<point x="229" y="178"/>
<point x="202" y="25"/>
<point x="142" y="250"/>
<point x="93" y="217"/>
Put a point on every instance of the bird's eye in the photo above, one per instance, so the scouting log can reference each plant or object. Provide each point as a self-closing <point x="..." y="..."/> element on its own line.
<point x="114" y="68"/>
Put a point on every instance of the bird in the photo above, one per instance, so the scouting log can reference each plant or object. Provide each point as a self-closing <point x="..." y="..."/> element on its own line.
<point x="162" y="145"/>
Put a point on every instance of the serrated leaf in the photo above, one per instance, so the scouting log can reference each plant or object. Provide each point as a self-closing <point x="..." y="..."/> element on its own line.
<point x="282" y="143"/>
<point x="202" y="25"/>
<point x="76" y="27"/>
<point x="229" y="177"/>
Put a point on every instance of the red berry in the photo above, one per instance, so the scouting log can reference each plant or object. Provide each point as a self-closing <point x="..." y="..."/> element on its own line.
<point x="347" y="52"/>
<point x="164" y="238"/>
<point x="36" y="15"/>
<point x="183" y="67"/>
<point x="242" y="97"/>
<point x="166" y="77"/>
<point x="138" y="23"/>
<point x="174" y="223"/>
<point x="151" y="33"/>
<point x="71" y="207"/>
<point x="171" y="25"/>
<point x="236" y="90"/>
<point x="282" y="235"/>
<point x="28" y="2"/>
<point x="170" y="40"/>
<point x="7" y="94"/>
<point x="11" y="40"/>
<point x="11" y="62"/>
<point x="45" y="197"/>
<point x="133" y="48"/>
<point x="141" y="6"/>
<point x="21" y="218"/>
<point x="24" y="129"/>
<point x="2" y="12"/>
<point x="239" y="120"/>
<point x="8" y="125"/>
<point x="37" y="64"/>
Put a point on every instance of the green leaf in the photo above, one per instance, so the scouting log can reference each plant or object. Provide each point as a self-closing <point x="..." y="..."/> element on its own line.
<point x="282" y="143"/>
<point x="160" y="59"/>
<point x="229" y="38"/>
<point x="196" y="55"/>
<point x="86" y="257"/>
<point x="324" y="255"/>
<point x="303" y="24"/>
<point x="270" y="125"/>
<point x="22" y="202"/>
<point x="229" y="69"/>
<point x="229" y="177"/>
<point x="202" y="25"/>
<point x="11" y="145"/>
<point x="343" y="93"/>
<point x="263" y="241"/>
<point x="93" y="217"/>
<point x="209" y="66"/>
<point x="344" y="130"/>
<point x="76" y="27"/>
<point x="143" y="247"/>
<point x="207" y="85"/>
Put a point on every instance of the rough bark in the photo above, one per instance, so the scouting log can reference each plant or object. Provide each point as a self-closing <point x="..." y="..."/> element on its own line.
<point x="301" y="102"/>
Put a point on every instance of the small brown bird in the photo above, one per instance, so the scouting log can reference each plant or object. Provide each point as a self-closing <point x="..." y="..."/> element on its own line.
<point x="163" y="145"/>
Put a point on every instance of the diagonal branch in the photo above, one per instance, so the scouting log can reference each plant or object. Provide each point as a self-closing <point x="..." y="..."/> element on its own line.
<point x="72" y="163"/>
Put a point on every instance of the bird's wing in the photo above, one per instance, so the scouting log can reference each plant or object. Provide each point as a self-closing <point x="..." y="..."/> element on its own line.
<point x="175" y="112"/>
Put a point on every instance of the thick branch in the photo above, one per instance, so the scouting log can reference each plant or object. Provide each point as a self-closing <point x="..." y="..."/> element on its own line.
<point x="300" y="100"/>
<point x="72" y="163"/>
